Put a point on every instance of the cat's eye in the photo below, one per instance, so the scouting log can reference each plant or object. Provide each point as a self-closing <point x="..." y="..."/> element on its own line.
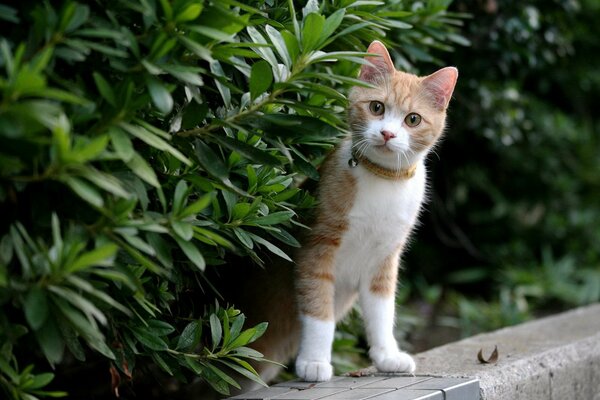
<point x="376" y="107"/>
<point x="412" y="119"/>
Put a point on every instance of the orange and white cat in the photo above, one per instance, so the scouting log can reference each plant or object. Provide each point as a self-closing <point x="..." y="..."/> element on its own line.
<point x="370" y="195"/>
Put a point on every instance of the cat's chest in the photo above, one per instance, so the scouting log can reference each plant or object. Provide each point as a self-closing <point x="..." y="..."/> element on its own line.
<point x="384" y="206"/>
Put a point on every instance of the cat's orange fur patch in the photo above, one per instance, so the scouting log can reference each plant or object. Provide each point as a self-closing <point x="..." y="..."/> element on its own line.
<point x="383" y="282"/>
<point x="315" y="279"/>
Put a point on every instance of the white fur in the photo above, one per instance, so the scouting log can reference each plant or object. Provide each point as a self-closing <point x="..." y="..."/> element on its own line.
<point x="378" y="315"/>
<point x="383" y="214"/>
<point x="314" y="358"/>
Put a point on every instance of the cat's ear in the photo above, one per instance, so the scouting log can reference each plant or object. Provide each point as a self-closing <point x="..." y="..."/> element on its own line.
<point x="379" y="65"/>
<point x="440" y="85"/>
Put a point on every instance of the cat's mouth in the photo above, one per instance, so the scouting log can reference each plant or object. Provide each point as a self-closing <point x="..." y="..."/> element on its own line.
<point x="384" y="148"/>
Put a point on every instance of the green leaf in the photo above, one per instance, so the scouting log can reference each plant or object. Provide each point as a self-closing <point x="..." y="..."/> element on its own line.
<point x="167" y="9"/>
<point x="159" y="94"/>
<point x="101" y="295"/>
<point x="36" y="307"/>
<point x="270" y="246"/>
<point x="210" y="161"/>
<point x="85" y="327"/>
<point x="184" y="74"/>
<point x="51" y="342"/>
<point x="138" y="243"/>
<point x="331" y="24"/>
<point x="247" y="352"/>
<point x="291" y="44"/>
<point x="226" y="378"/>
<point x="272" y="219"/>
<point x="71" y="339"/>
<point x="201" y="51"/>
<point x="8" y="14"/>
<point x="149" y="338"/>
<point x="160" y="328"/>
<point x="101" y="256"/>
<point x="190" y="337"/>
<point x="285" y="237"/>
<point x="211" y="33"/>
<point x="240" y="210"/>
<point x="154" y="141"/>
<point x="250" y="152"/>
<point x="217" y="70"/>
<point x="104" y="180"/>
<point x="280" y="45"/>
<point x="261" y="78"/>
<point x="79" y="17"/>
<point x="141" y="168"/>
<point x="122" y="144"/>
<point x="180" y="196"/>
<point x="311" y="31"/>
<point x="245" y="370"/>
<point x="243" y="237"/>
<point x="183" y="229"/>
<point x="105" y="89"/>
<point x="192" y="253"/>
<point x="89" y="151"/>
<point x="197" y="205"/>
<point x="216" y="331"/>
<point x="84" y="190"/>
<point x="41" y="380"/>
<point x="80" y="302"/>
<point x="189" y="13"/>
<point x="162" y="363"/>
<point x="214" y="238"/>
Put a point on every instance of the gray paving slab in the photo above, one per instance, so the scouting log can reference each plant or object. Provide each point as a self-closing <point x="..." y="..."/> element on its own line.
<point x="309" y="394"/>
<point x="453" y="388"/>
<point x="298" y="384"/>
<point x="383" y="387"/>
<point x="410" y="394"/>
<point x="397" y="382"/>
<point x="352" y="383"/>
<point x="358" y="394"/>
<point x="263" y="394"/>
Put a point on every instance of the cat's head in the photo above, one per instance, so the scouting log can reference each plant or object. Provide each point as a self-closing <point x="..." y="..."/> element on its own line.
<point x="395" y="123"/>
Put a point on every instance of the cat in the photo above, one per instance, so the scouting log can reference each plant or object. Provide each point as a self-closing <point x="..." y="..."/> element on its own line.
<point x="370" y="196"/>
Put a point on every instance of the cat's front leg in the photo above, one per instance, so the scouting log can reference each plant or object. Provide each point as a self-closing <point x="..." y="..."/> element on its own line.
<point x="315" y="302"/>
<point x="377" y="298"/>
<point x="314" y="358"/>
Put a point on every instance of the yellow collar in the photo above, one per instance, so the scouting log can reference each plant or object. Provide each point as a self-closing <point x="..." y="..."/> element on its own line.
<point x="382" y="172"/>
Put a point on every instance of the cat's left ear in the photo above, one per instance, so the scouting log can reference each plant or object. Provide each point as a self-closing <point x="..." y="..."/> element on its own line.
<point x="379" y="65"/>
<point x="441" y="85"/>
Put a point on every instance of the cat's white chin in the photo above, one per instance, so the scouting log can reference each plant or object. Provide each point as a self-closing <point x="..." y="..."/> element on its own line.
<point x="313" y="371"/>
<point x="392" y="360"/>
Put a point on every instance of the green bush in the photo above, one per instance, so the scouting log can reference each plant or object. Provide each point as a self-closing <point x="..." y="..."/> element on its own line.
<point x="146" y="142"/>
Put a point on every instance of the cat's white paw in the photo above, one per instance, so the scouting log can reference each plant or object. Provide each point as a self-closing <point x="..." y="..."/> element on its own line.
<point x="392" y="361"/>
<point x="313" y="371"/>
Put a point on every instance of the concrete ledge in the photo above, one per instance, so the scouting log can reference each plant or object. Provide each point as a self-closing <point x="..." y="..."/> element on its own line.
<point x="556" y="357"/>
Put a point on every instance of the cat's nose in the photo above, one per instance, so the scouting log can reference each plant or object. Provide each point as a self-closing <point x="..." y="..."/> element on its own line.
<point x="387" y="135"/>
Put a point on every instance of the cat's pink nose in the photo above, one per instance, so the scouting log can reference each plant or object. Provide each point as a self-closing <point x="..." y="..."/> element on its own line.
<point x="387" y="135"/>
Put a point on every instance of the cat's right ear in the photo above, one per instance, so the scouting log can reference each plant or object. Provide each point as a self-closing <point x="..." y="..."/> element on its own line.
<point x="379" y="65"/>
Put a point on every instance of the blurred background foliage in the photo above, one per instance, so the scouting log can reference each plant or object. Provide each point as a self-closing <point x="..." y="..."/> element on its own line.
<point x="512" y="230"/>
<point x="146" y="143"/>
